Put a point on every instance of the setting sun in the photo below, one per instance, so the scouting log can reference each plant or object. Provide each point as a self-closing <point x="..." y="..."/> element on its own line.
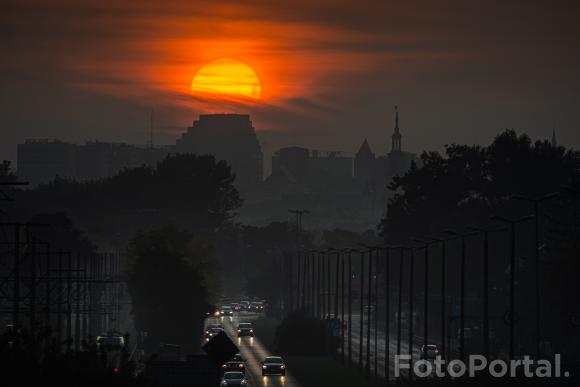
<point x="227" y="77"/>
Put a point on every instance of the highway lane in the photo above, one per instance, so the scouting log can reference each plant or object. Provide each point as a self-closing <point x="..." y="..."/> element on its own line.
<point x="380" y="353"/>
<point x="254" y="352"/>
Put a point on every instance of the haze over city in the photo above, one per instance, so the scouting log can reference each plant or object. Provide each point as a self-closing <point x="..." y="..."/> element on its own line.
<point x="290" y="193"/>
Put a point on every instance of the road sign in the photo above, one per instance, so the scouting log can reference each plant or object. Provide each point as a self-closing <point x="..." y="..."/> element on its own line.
<point x="220" y="348"/>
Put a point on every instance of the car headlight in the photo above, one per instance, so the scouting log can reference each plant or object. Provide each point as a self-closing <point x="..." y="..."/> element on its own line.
<point x="251" y="331"/>
<point x="224" y="365"/>
<point x="239" y="330"/>
<point x="241" y="365"/>
<point x="243" y="382"/>
<point x="224" y="383"/>
<point x="264" y="366"/>
<point x="282" y="366"/>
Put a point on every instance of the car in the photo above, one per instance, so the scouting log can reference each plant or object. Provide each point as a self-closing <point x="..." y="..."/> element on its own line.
<point x="111" y="341"/>
<point x="256" y="307"/>
<point x="213" y="332"/>
<point x="233" y="379"/>
<point x="273" y="365"/>
<point x="429" y="352"/>
<point x="245" y="305"/>
<point x="236" y="363"/>
<point x="226" y="310"/>
<point x="209" y="327"/>
<point x="245" y="329"/>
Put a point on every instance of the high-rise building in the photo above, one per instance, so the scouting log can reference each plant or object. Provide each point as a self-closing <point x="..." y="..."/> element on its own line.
<point x="229" y="137"/>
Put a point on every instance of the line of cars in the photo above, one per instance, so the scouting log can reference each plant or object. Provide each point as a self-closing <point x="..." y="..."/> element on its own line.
<point x="234" y="370"/>
<point x="228" y="309"/>
<point x="245" y="329"/>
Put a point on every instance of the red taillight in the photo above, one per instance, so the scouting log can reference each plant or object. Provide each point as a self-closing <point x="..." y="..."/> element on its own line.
<point x="116" y="370"/>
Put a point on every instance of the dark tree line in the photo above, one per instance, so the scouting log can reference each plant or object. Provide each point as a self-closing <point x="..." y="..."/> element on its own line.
<point x="467" y="184"/>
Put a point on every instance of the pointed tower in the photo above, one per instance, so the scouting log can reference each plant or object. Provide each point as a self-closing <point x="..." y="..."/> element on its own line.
<point x="396" y="137"/>
<point x="364" y="162"/>
<point x="554" y="141"/>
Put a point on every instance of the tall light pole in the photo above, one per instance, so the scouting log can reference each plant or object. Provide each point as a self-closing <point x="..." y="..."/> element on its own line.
<point x="536" y="201"/>
<point x="400" y="301"/>
<point x="485" y="234"/>
<point x="512" y="223"/>
<point x="371" y="250"/>
<point x="350" y="306"/>
<point x="443" y="291"/>
<point x="411" y="308"/>
<point x="362" y="300"/>
<point x="425" y="245"/>
<point x="462" y="291"/>
<point x="342" y="306"/>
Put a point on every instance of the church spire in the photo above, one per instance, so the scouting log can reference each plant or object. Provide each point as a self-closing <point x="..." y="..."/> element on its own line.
<point x="554" y="141"/>
<point x="396" y="137"/>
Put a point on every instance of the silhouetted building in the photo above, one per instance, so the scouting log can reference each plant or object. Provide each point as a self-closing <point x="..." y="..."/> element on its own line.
<point x="365" y="163"/>
<point x="41" y="160"/>
<point x="229" y="137"/>
<point x="299" y="165"/>
<point x="374" y="173"/>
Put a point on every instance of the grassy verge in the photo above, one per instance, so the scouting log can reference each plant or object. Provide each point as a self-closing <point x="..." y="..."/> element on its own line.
<point x="310" y="371"/>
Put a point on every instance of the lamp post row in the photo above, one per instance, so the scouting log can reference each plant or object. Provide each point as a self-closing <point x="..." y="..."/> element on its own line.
<point x="314" y="283"/>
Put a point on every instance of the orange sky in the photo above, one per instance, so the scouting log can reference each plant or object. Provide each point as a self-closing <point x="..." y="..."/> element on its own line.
<point x="331" y="71"/>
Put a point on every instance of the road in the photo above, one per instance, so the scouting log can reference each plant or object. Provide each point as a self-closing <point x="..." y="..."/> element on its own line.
<point x="380" y="353"/>
<point x="254" y="352"/>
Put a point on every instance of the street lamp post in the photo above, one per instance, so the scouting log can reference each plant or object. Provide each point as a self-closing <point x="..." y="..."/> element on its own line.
<point x="461" y="292"/>
<point x="411" y="308"/>
<point x="425" y="246"/>
<point x="536" y="202"/>
<point x="342" y="307"/>
<point x="360" y="347"/>
<point x="485" y="286"/>
<point x="400" y="301"/>
<point x="387" y="311"/>
<point x="512" y="223"/>
<point x="350" y="307"/>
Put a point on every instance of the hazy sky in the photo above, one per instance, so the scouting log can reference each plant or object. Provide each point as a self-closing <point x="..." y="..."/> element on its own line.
<point x="330" y="71"/>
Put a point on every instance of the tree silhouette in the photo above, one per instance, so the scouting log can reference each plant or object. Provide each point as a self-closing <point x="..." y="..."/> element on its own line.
<point x="167" y="278"/>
